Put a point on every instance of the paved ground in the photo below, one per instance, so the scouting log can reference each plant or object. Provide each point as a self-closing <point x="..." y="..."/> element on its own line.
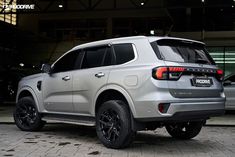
<point x="72" y="140"/>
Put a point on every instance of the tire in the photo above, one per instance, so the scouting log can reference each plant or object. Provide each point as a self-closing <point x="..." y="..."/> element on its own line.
<point x="185" y="130"/>
<point x="26" y="115"/>
<point x="113" y="124"/>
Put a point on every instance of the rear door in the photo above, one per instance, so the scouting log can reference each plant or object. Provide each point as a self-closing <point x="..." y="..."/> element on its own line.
<point x="199" y="75"/>
<point x="92" y="76"/>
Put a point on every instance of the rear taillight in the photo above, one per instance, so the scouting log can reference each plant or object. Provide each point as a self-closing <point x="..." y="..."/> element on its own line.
<point x="220" y="74"/>
<point x="168" y="73"/>
<point x="161" y="73"/>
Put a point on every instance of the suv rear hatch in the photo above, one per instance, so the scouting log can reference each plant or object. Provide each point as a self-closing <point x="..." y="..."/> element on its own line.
<point x="189" y="69"/>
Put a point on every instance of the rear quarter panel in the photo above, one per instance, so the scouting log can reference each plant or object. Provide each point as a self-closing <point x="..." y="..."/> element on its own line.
<point x="135" y="76"/>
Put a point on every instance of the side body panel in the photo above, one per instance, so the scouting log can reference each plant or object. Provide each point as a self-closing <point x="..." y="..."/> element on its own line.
<point x="85" y="86"/>
<point x="57" y="92"/>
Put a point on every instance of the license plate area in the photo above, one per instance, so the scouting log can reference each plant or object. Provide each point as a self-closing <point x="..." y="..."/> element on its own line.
<point x="201" y="82"/>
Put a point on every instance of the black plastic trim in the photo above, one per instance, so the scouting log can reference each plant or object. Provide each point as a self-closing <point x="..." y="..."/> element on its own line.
<point x="185" y="116"/>
<point x="39" y="85"/>
<point x="66" y="117"/>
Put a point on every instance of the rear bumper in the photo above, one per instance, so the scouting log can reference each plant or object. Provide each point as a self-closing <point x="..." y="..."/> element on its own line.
<point x="184" y="109"/>
<point x="195" y="107"/>
<point x="185" y="116"/>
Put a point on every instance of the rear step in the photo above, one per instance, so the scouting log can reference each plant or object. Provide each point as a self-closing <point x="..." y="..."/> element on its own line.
<point x="69" y="119"/>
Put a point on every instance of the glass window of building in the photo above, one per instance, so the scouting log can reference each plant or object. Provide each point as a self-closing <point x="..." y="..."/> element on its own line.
<point x="224" y="57"/>
<point x="8" y="14"/>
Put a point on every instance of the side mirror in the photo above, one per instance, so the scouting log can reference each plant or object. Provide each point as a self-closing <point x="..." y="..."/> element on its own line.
<point x="227" y="82"/>
<point x="46" y="68"/>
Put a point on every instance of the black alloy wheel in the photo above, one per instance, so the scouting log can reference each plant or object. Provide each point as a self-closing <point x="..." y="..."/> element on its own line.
<point x="184" y="130"/>
<point x="26" y="115"/>
<point x="110" y="125"/>
<point x="113" y="124"/>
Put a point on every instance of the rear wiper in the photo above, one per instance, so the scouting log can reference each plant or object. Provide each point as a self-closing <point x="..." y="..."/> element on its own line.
<point x="202" y="61"/>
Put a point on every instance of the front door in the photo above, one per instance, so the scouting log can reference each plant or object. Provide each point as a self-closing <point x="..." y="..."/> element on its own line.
<point x="57" y="86"/>
<point x="57" y="92"/>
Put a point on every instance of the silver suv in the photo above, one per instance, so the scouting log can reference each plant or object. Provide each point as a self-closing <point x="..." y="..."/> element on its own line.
<point x="125" y="85"/>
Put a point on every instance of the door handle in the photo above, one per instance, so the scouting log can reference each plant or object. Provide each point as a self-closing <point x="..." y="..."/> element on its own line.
<point x="66" y="78"/>
<point x="99" y="75"/>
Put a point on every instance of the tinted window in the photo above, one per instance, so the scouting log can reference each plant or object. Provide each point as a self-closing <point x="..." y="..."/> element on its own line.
<point x="108" y="57"/>
<point x="124" y="53"/>
<point x="180" y="51"/>
<point x="96" y="57"/>
<point x="65" y="63"/>
<point x="156" y="50"/>
<point x="79" y="60"/>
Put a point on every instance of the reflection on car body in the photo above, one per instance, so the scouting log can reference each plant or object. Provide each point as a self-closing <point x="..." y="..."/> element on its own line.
<point x="229" y="90"/>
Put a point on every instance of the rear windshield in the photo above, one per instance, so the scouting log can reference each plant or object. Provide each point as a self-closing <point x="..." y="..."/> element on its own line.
<point x="181" y="51"/>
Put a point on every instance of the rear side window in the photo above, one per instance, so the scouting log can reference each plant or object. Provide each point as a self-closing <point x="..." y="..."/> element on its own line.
<point x="96" y="57"/>
<point x="181" y="51"/>
<point x="124" y="53"/>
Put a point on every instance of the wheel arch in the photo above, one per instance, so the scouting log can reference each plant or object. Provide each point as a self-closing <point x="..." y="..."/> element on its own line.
<point x="27" y="91"/>
<point x="113" y="91"/>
